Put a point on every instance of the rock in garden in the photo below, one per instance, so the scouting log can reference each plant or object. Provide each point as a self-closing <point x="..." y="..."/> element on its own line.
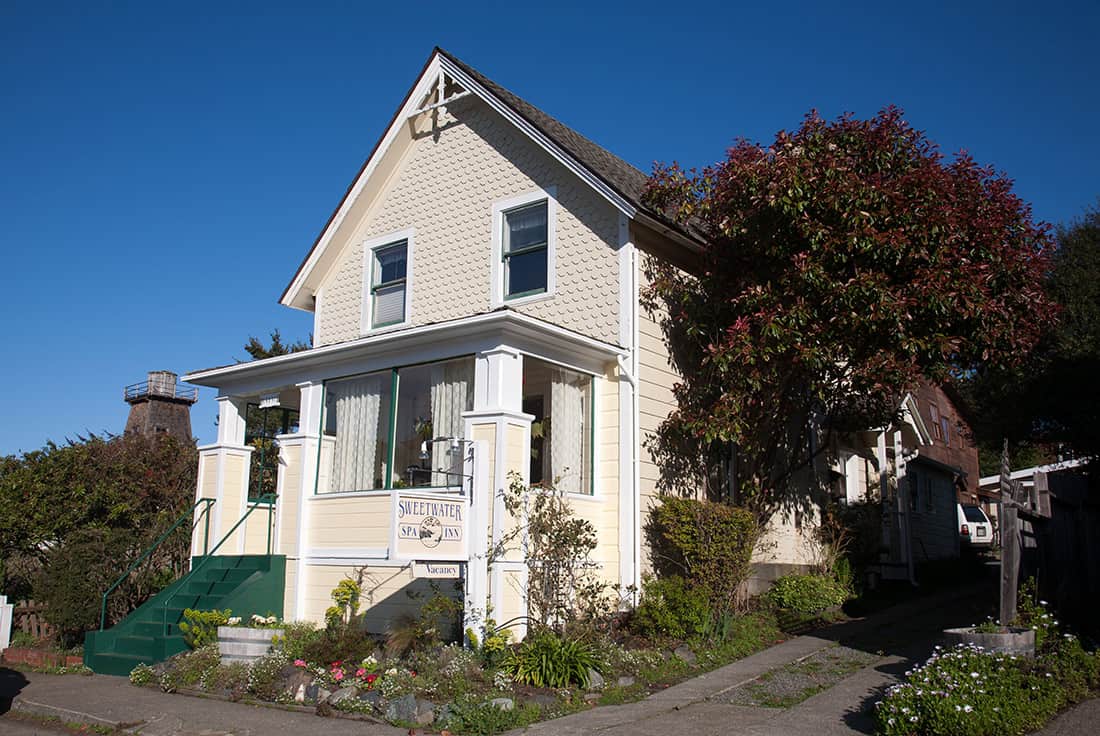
<point x="425" y="712"/>
<point x="402" y="709"/>
<point x="503" y="703"/>
<point x="544" y="700"/>
<point x="595" y="680"/>
<point x="370" y="696"/>
<point x="300" y="694"/>
<point x="684" y="653"/>
<point x="625" y="681"/>
<point x="298" y="680"/>
<point x="322" y="695"/>
<point x="344" y="693"/>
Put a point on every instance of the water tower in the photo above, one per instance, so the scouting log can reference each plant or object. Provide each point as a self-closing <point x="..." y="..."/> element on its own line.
<point x="160" y="404"/>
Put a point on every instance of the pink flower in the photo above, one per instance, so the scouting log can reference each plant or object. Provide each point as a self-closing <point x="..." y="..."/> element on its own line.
<point x="371" y="679"/>
<point x="360" y="672"/>
<point x="299" y="663"/>
<point x="338" y="674"/>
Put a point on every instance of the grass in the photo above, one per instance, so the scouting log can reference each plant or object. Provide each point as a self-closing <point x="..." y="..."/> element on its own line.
<point x="61" y="726"/>
<point x="787" y="686"/>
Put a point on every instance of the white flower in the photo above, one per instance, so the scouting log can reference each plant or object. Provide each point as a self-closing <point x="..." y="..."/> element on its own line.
<point x="1042" y="603"/>
<point x="890" y="722"/>
<point x="233" y="621"/>
<point x="967" y="708"/>
<point x="391" y="671"/>
<point x="974" y="674"/>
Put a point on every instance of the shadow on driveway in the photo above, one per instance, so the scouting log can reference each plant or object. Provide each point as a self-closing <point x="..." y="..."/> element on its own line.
<point x="12" y="683"/>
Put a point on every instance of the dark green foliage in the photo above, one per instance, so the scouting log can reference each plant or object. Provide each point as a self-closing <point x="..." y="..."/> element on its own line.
<point x="200" y="628"/>
<point x="192" y="668"/>
<point x="74" y="577"/>
<point x="1051" y="400"/>
<point x="347" y="645"/>
<point x="708" y="543"/>
<point x="807" y="594"/>
<point x="297" y="637"/>
<point x="438" y="622"/>
<point x="485" y="718"/>
<point x="258" y="351"/>
<point x="546" y="660"/>
<point x="85" y="510"/>
<point x="670" y="607"/>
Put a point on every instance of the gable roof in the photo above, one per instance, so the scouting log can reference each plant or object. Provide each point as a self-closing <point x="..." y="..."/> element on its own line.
<point x="618" y="181"/>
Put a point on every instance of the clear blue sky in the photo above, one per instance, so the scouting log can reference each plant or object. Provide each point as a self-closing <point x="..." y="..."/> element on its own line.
<point x="165" y="166"/>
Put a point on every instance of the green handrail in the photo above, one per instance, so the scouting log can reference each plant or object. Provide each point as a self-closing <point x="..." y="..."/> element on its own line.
<point x="268" y="500"/>
<point x="160" y="540"/>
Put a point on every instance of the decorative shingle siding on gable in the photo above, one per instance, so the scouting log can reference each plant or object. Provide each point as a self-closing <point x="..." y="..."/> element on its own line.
<point x="445" y="189"/>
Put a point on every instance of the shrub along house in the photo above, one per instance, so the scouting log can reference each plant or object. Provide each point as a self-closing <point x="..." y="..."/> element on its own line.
<point x="476" y="314"/>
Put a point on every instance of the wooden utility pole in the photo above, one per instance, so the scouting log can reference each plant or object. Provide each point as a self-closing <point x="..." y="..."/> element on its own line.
<point x="1010" y="541"/>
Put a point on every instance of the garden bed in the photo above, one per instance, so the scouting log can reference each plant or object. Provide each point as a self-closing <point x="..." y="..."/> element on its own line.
<point x="39" y="658"/>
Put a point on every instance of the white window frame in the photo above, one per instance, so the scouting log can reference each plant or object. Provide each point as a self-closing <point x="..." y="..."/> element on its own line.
<point x="366" y="317"/>
<point x="499" y="208"/>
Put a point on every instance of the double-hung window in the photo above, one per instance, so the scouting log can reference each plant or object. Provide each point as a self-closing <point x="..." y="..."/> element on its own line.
<point x="525" y="256"/>
<point x="389" y="283"/>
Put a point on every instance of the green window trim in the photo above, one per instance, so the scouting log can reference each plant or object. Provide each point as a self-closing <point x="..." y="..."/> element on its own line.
<point x="391" y="433"/>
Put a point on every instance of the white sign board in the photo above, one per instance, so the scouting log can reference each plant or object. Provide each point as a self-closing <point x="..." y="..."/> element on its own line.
<point x="437" y="570"/>
<point x="429" y="526"/>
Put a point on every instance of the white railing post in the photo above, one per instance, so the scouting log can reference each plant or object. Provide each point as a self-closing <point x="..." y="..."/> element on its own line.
<point x="7" y="612"/>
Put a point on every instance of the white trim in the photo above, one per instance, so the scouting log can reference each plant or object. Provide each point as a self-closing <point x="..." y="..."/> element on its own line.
<point x="371" y="245"/>
<point x="420" y="89"/>
<point x="1026" y="473"/>
<point x="629" y="520"/>
<point x="309" y="418"/>
<point x="464" y="336"/>
<point x="349" y="552"/>
<point x="535" y="135"/>
<point x="329" y="495"/>
<point x="500" y="207"/>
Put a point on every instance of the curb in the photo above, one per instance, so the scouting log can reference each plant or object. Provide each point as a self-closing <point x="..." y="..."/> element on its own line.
<point x="28" y="707"/>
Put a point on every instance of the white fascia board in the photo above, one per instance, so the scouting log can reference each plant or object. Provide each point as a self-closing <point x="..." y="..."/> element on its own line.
<point x="422" y="88"/>
<point x="558" y="153"/>
<point x="912" y="417"/>
<point x="417" y="344"/>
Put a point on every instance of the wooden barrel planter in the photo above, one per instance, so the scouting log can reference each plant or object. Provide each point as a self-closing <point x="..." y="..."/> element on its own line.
<point x="245" y="644"/>
<point x="1018" y="641"/>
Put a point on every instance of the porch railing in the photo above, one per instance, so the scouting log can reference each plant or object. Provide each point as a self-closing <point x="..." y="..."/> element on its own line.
<point x="206" y="503"/>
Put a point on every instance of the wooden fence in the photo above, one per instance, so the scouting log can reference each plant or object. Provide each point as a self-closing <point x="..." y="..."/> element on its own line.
<point x="27" y="618"/>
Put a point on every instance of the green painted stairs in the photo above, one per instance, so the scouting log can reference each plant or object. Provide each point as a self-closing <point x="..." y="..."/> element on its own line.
<point x="245" y="584"/>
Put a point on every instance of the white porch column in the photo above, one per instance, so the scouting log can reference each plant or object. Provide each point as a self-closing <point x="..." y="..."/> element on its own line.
<point x="223" y="476"/>
<point x="309" y="432"/>
<point x="503" y="435"/>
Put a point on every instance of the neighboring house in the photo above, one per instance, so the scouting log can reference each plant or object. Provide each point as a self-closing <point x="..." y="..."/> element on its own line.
<point x="476" y="314"/>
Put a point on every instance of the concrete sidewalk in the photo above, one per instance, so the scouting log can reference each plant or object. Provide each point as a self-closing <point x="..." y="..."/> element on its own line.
<point x="102" y="700"/>
<point x="897" y="637"/>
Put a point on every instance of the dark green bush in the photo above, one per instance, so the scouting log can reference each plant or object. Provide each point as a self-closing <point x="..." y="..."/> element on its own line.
<point x="806" y="594"/>
<point x="709" y="544"/>
<point x="544" y="659"/>
<point x="348" y="645"/>
<point x="670" y="607"/>
<point x="297" y="637"/>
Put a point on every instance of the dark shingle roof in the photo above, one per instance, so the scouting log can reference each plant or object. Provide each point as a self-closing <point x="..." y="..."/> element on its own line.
<point x="626" y="180"/>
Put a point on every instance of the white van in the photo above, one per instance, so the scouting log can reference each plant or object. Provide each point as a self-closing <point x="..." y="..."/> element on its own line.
<point x="975" y="528"/>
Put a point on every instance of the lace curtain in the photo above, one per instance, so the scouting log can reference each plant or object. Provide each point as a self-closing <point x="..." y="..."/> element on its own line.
<point x="354" y="461"/>
<point x="452" y="392"/>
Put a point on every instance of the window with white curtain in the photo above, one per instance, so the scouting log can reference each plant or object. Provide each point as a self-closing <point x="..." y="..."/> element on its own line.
<point x="385" y="430"/>
<point x="561" y="433"/>
<point x="388" y="284"/>
<point x="357" y="417"/>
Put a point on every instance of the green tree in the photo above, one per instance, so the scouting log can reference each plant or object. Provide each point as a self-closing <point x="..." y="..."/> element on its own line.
<point x="846" y="261"/>
<point x="81" y="512"/>
<point x="1052" y="401"/>
<point x="256" y="348"/>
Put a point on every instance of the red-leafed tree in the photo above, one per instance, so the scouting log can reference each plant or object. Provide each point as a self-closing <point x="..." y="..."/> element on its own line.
<point x="845" y="262"/>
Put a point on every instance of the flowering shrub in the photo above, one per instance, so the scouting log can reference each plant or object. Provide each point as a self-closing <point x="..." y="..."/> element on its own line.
<point x="967" y="691"/>
<point x="141" y="675"/>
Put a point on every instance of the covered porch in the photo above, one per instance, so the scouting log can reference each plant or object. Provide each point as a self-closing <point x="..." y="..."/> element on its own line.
<point x="392" y="451"/>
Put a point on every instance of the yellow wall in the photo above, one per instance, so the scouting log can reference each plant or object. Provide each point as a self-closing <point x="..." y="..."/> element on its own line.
<point x="445" y="188"/>
<point x="356" y="522"/>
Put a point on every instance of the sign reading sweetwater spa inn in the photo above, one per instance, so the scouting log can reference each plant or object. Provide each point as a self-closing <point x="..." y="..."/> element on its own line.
<point x="429" y="526"/>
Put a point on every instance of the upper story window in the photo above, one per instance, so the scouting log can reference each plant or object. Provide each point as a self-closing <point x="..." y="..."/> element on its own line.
<point x="388" y="284"/>
<point x="387" y="281"/>
<point x="524" y="242"/>
<point x="934" y="415"/>
<point x="525" y="245"/>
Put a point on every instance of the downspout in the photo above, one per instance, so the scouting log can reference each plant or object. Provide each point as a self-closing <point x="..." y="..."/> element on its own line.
<point x="629" y="372"/>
